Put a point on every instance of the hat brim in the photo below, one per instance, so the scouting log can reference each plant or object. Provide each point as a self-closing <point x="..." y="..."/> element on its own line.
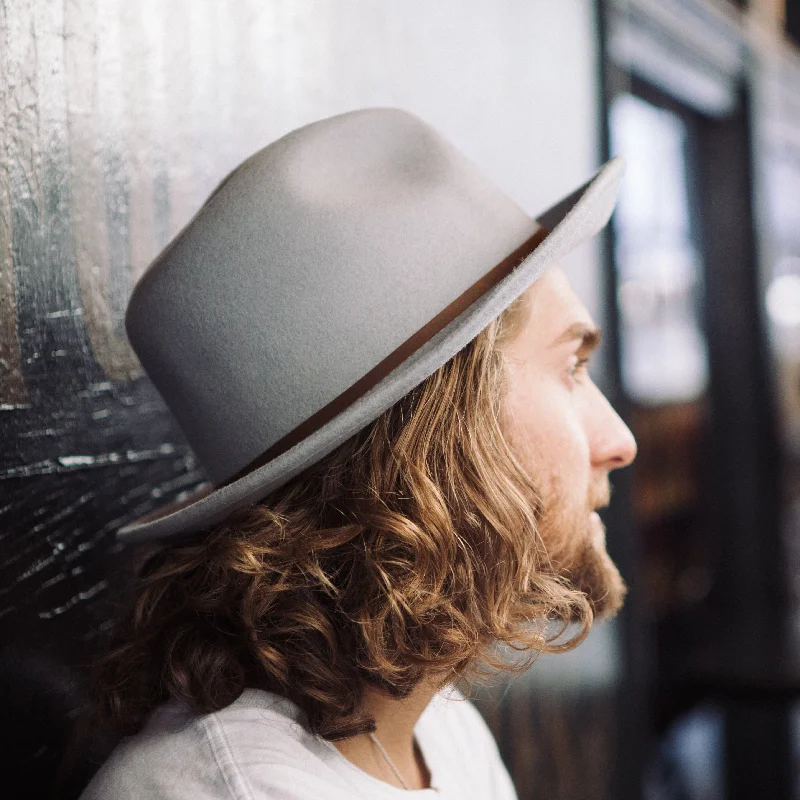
<point x="572" y="221"/>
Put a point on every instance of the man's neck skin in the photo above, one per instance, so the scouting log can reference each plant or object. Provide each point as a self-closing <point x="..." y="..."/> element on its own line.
<point x="395" y="720"/>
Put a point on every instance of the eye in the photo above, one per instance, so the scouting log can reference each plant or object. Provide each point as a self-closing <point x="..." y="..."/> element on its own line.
<point x="578" y="368"/>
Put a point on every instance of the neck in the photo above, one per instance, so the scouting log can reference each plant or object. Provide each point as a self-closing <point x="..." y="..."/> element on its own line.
<point x="394" y="720"/>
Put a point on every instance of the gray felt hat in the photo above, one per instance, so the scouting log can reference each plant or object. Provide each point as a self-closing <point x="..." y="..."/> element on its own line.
<point x="326" y="277"/>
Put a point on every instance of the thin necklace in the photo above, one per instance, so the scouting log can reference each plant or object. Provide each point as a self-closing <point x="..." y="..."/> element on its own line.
<point x="389" y="761"/>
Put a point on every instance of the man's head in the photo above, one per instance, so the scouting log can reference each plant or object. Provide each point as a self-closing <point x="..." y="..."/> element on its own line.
<point x="459" y="518"/>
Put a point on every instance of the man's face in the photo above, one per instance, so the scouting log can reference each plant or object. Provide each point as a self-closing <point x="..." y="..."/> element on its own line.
<point x="566" y="434"/>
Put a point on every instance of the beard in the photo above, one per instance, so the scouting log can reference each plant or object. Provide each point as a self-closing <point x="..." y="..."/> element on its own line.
<point x="574" y="538"/>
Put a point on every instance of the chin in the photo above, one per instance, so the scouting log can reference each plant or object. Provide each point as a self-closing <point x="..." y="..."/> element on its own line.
<point x="597" y="576"/>
<point x="587" y="565"/>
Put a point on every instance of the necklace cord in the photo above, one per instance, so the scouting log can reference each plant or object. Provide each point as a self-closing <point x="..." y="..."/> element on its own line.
<point x="389" y="761"/>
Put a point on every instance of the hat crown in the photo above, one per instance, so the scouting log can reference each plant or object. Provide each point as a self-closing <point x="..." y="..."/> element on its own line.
<point x="342" y="160"/>
<point x="311" y="262"/>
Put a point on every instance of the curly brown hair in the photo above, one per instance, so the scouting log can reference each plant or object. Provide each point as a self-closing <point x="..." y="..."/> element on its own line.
<point x="411" y="550"/>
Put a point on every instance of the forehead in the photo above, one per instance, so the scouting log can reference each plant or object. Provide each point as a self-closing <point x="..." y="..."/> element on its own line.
<point x="551" y="306"/>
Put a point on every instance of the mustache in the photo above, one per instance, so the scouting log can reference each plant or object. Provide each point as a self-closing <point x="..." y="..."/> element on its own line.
<point x="600" y="494"/>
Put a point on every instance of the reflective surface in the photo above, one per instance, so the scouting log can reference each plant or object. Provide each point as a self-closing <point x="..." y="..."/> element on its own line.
<point x="664" y="356"/>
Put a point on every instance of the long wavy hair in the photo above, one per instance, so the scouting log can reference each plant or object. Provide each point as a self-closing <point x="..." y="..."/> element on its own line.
<point x="410" y="551"/>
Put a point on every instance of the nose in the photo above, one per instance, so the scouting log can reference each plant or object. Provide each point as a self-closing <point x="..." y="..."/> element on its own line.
<point x="611" y="442"/>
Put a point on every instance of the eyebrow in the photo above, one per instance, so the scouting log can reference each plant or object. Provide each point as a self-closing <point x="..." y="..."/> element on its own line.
<point x="588" y="334"/>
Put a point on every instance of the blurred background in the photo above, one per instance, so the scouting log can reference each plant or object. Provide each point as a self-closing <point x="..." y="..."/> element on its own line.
<point x="117" y="120"/>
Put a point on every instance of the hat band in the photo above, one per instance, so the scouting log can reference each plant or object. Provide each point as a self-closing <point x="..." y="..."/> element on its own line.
<point x="395" y="358"/>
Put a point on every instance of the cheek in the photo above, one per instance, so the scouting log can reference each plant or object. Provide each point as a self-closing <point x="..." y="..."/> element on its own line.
<point x="565" y="453"/>
<point x="543" y="428"/>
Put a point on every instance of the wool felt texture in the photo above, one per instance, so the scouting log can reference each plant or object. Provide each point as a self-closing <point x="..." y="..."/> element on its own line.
<point x="313" y="262"/>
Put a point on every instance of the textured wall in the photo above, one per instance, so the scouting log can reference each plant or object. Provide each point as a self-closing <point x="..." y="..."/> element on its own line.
<point x="116" y="120"/>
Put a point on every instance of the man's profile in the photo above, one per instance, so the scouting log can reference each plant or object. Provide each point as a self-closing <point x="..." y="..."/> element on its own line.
<point x="383" y="370"/>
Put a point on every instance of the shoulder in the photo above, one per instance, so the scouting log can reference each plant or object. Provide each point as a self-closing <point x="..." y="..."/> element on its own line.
<point x="450" y="713"/>
<point x="450" y="709"/>
<point x="252" y="748"/>
<point x="458" y="739"/>
<point x="171" y="757"/>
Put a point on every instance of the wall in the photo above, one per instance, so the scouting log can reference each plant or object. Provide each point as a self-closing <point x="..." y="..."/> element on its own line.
<point x="116" y="121"/>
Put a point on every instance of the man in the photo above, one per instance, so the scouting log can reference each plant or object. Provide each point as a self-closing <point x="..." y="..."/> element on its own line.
<point x="383" y="370"/>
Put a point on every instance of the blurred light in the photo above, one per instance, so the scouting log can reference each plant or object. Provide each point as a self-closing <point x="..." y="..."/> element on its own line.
<point x="788" y="264"/>
<point x="664" y="358"/>
<point x="783" y="300"/>
<point x="638" y="302"/>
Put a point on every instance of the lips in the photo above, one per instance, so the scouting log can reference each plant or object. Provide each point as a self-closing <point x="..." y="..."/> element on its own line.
<point x="598" y="530"/>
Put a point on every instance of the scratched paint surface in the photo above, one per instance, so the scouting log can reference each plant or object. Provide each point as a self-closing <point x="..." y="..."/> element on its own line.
<point x="116" y="121"/>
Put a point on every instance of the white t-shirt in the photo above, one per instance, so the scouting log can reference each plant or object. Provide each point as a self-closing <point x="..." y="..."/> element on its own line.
<point x="256" y="749"/>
